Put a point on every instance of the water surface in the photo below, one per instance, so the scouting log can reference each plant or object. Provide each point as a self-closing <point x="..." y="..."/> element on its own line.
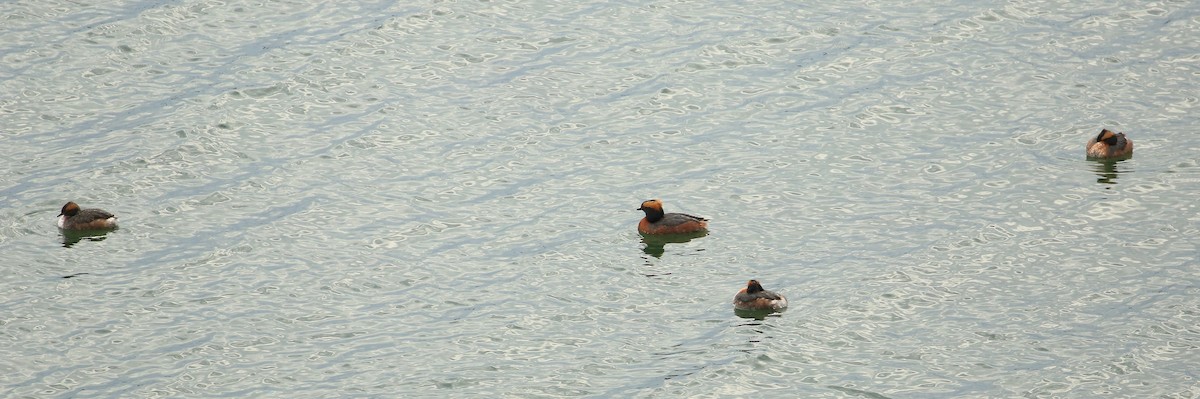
<point x="437" y="199"/>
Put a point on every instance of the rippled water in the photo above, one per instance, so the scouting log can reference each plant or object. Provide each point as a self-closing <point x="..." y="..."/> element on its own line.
<point x="437" y="199"/>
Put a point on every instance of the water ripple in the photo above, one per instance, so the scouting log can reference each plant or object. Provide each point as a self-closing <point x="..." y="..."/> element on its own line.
<point x="433" y="199"/>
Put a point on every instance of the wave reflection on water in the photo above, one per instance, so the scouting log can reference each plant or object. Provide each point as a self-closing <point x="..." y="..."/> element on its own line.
<point x="432" y="199"/>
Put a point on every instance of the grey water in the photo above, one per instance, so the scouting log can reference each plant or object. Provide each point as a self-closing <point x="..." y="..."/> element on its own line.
<point x="437" y="198"/>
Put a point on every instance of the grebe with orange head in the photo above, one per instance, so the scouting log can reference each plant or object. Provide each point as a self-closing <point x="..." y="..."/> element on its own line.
<point x="658" y="222"/>
<point x="1109" y="145"/>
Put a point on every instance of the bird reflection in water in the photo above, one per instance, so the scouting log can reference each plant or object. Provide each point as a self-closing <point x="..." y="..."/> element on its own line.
<point x="1106" y="170"/>
<point x="656" y="244"/>
<point x="72" y="237"/>
<point x="756" y="314"/>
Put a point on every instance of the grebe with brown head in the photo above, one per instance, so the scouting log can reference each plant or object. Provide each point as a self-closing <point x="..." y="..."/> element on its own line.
<point x="73" y="217"/>
<point x="754" y="297"/>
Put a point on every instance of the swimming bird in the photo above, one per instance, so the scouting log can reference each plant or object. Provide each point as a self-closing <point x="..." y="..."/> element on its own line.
<point x="1109" y="145"/>
<point x="754" y="297"/>
<point x="74" y="218"/>
<point x="656" y="222"/>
